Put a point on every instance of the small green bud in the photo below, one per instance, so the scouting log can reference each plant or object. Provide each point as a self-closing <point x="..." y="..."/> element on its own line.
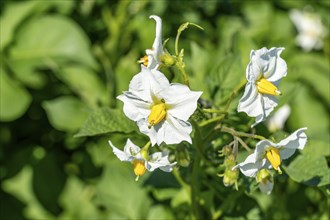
<point x="229" y="161"/>
<point x="182" y="156"/>
<point x="167" y="59"/>
<point x="263" y="176"/>
<point x="230" y="177"/>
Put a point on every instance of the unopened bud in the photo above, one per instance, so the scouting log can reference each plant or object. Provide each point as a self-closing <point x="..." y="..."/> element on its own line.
<point x="230" y="177"/>
<point x="167" y="59"/>
<point x="182" y="155"/>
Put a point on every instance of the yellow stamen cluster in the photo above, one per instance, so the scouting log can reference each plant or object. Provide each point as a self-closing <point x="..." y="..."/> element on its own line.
<point x="157" y="114"/>
<point x="139" y="168"/>
<point x="144" y="60"/>
<point x="266" y="87"/>
<point x="273" y="156"/>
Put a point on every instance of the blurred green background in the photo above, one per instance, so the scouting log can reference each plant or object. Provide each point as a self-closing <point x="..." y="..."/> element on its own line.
<point x="63" y="62"/>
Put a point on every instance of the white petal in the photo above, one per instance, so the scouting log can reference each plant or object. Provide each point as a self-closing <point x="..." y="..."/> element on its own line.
<point x="277" y="67"/>
<point x="268" y="104"/>
<point x="159" y="160"/>
<point x="174" y="131"/>
<point x="134" y="108"/>
<point x="261" y="148"/>
<point x="253" y="71"/>
<point x="250" y="103"/>
<point x="147" y="83"/>
<point x="277" y="121"/>
<point x="181" y="102"/>
<point x="249" y="167"/>
<point x="157" y="46"/>
<point x="151" y="133"/>
<point x="297" y="140"/>
<point x="131" y="149"/>
<point x="122" y="156"/>
<point x="267" y="187"/>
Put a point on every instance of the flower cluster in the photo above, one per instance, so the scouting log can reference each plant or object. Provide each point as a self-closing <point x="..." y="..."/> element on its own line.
<point x="162" y="110"/>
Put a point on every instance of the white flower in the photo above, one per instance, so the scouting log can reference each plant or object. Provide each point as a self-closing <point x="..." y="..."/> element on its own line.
<point x="160" y="109"/>
<point x="264" y="72"/>
<point x="310" y="29"/>
<point x="141" y="160"/>
<point x="265" y="180"/>
<point x="277" y="121"/>
<point x="151" y="60"/>
<point x="268" y="154"/>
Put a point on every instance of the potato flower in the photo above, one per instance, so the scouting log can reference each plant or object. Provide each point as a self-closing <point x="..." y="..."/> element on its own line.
<point x="141" y="160"/>
<point x="152" y="59"/>
<point x="264" y="72"/>
<point x="310" y="29"/>
<point x="268" y="154"/>
<point x="160" y="109"/>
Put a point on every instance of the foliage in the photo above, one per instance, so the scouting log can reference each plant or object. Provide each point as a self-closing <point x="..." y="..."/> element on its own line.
<point x="64" y="62"/>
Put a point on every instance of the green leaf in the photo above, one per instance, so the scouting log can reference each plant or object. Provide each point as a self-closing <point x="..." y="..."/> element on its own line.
<point x="86" y="83"/>
<point x="106" y="120"/>
<point x="317" y="148"/>
<point x="17" y="12"/>
<point x="66" y="113"/>
<point x="48" y="173"/>
<point x="160" y="212"/>
<point x="119" y="192"/>
<point x="310" y="170"/>
<point x="306" y="111"/>
<point x="14" y="99"/>
<point x="61" y="40"/>
<point x="76" y="195"/>
<point x="21" y="187"/>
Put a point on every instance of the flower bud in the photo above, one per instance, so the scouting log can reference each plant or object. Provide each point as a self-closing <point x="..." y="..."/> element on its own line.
<point x="230" y="177"/>
<point x="167" y="59"/>
<point x="182" y="156"/>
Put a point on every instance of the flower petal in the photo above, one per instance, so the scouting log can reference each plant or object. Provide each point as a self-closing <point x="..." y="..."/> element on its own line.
<point x="249" y="167"/>
<point x="157" y="46"/>
<point x="266" y="187"/>
<point x="297" y="140"/>
<point x="152" y="132"/>
<point x="134" y="108"/>
<point x="174" y="131"/>
<point x="250" y="103"/>
<point x="132" y="149"/>
<point x="277" y="67"/>
<point x="122" y="156"/>
<point x="261" y="148"/>
<point x="159" y="160"/>
<point x="181" y="101"/>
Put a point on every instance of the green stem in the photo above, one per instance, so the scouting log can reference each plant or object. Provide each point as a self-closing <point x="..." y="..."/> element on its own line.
<point x="239" y="134"/>
<point x="179" y="64"/>
<point x="214" y="111"/>
<point x="195" y="178"/>
<point x="178" y="177"/>
<point x="209" y="121"/>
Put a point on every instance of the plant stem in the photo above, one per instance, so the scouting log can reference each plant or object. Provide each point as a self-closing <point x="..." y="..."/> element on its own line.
<point x="207" y="110"/>
<point x="195" y="178"/>
<point x="178" y="177"/>
<point x="237" y="133"/>
<point x="180" y="65"/>
<point x="218" y="118"/>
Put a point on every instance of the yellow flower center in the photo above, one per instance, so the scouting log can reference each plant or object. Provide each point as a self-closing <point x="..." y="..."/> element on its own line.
<point x="144" y="60"/>
<point x="273" y="156"/>
<point x="139" y="168"/>
<point x="266" y="87"/>
<point x="157" y="114"/>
